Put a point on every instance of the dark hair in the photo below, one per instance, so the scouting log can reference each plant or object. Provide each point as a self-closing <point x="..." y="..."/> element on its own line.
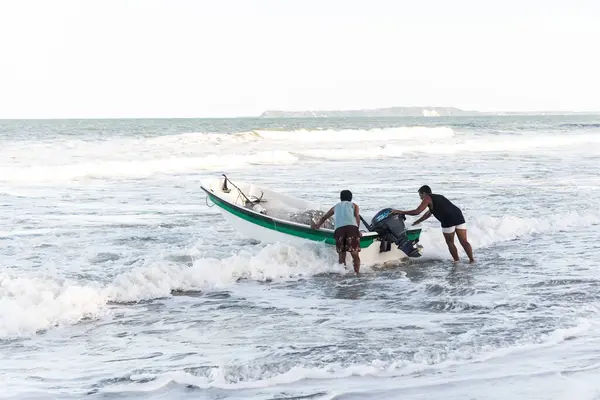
<point x="346" y="195"/>
<point x="425" y="189"/>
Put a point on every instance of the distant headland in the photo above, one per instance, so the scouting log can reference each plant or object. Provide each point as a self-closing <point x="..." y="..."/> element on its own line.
<point x="407" y="112"/>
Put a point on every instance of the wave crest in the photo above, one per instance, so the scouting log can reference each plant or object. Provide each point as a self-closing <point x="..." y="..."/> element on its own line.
<point x="31" y="304"/>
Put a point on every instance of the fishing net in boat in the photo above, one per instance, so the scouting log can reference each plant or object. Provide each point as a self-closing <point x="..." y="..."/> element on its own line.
<point x="309" y="216"/>
<point x="305" y="217"/>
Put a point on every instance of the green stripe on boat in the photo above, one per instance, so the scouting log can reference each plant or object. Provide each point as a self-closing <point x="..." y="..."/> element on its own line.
<point x="266" y="222"/>
<point x="302" y="232"/>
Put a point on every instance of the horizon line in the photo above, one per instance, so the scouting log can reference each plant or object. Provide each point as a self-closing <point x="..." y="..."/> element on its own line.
<point x="291" y="111"/>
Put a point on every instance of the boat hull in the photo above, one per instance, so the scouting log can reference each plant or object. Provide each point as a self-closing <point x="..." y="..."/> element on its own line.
<point x="267" y="229"/>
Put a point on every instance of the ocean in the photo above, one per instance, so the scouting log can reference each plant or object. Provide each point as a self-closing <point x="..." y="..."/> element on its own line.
<point x="118" y="280"/>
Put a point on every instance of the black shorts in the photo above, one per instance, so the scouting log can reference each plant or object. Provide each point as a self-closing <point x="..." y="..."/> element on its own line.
<point x="453" y="221"/>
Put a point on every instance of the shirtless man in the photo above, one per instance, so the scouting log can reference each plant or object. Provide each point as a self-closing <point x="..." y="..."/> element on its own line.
<point x="448" y="214"/>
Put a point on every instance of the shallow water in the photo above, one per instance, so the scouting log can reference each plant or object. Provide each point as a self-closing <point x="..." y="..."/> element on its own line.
<point x="118" y="281"/>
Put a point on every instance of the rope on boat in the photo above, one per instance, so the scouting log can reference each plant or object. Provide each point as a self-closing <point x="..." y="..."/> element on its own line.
<point x="258" y="200"/>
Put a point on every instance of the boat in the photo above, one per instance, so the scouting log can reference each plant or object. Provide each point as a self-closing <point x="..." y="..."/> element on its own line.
<point x="271" y="217"/>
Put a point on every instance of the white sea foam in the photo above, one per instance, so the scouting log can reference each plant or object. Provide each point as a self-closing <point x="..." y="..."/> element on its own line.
<point x="358" y="135"/>
<point x="484" y="231"/>
<point x="123" y="158"/>
<point x="92" y="268"/>
<point x="510" y="143"/>
<point x="501" y="144"/>
<point x="29" y="304"/>
<point x="258" y="376"/>
<point x="139" y="168"/>
<point x="72" y="159"/>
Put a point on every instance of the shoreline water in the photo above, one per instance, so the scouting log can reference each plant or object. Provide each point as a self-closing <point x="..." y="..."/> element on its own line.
<point x="117" y="280"/>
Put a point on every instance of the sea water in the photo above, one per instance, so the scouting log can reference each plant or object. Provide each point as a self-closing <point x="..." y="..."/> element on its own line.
<point x="118" y="279"/>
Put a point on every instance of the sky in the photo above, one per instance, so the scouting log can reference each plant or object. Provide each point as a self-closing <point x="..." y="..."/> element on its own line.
<point x="226" y="58"/>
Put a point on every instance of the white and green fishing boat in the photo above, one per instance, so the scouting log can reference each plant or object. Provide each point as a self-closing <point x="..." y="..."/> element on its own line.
<point x="271" y="217"/>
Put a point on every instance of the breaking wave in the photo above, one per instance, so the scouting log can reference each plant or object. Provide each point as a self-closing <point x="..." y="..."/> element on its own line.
<point x="140" y="168"/>
<point x="356" y="135"/>
<point x="501" y="144"/>
<point x="31" y="304"/>
<point x="265" y="376"/>
<point x="139" y="157"/>
<point x="120" y="158"/>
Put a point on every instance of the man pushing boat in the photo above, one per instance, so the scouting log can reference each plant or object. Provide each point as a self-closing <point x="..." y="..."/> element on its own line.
<point x="346" y="233"/>
<point x="448" y="214"/>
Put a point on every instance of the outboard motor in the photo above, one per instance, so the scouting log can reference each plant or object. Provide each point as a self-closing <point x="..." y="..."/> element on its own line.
<point x="392" y="229"/>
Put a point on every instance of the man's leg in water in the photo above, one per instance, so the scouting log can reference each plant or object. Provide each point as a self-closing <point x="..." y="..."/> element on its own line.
<point x="340" y="245"/>
<point x="450" y="242"/>
<point x="354" y="247"/>
<point x="355" y="261"/>
<point x="462" y="238"/>
<point x="342" y="257"/>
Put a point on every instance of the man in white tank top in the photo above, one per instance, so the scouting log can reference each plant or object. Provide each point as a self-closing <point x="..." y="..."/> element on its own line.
<point x="346" y="234"/>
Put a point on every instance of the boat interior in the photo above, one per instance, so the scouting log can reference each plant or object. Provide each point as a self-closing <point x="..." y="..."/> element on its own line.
<point x="269" y="203"/>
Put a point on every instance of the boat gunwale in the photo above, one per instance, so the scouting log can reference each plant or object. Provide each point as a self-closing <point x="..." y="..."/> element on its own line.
<point x="366" y="236"/>
<point x="303" y="227"/>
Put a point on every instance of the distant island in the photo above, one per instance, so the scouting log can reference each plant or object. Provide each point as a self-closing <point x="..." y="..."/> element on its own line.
<point x="406" y="112"/>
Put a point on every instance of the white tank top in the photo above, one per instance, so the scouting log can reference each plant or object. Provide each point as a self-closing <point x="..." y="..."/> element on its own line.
<point x="344" y="214"/>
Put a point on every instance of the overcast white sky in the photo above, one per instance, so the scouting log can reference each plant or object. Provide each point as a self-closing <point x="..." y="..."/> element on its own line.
<point x="176" y="58"/>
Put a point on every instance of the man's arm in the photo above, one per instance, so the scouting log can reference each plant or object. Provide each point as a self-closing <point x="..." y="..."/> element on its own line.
<point x="324" y="218"/>
<point x="357" y="214"/>
<point x="416" y="211"/>
<point x="423" y="218"/>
